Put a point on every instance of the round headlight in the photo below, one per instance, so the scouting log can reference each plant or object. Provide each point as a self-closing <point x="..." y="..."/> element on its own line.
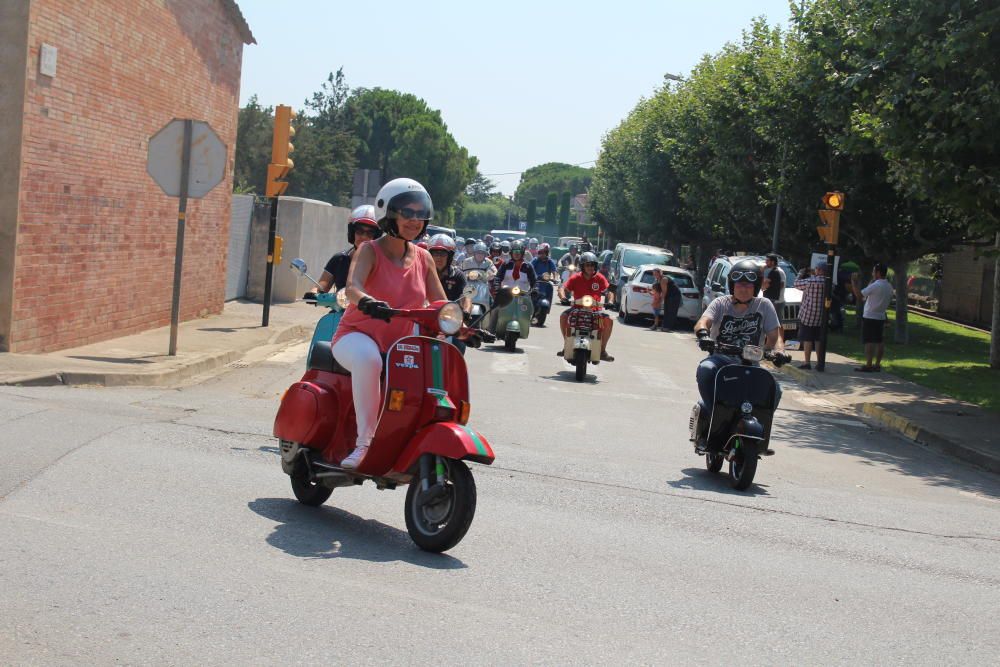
<point x="753" y="352"/>
<point x="587" y="301"/>
<point x="571" y="268"/>
<point x="546" y="276"/>
<point x="450" y="318"/>
<point x="342" y="299"/>
<point x="515" y="290"/>
<point x="473" y="275"/>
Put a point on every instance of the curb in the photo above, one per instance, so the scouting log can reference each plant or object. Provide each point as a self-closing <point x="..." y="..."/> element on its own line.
<point x="184" y="370"/>
<point x="903" y="426"/>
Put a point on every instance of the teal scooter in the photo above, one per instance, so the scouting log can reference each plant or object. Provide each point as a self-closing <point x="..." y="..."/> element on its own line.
<point x="513" y="321"/>
<point x="336" y="302"/>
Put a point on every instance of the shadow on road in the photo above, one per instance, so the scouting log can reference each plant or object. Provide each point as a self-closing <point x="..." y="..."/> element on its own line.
<point x="794" y="428"/>
<point x="498" y="347"/>
<point x="570" y="377"/>
<point x="700" y="479"/>
<point x="329" y="532"/>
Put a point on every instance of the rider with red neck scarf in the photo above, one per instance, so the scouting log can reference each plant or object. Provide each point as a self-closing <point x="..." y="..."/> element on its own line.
<point x="516" y="272"/>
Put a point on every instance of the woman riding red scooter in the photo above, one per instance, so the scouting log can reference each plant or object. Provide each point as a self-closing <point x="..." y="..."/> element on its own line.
<point x="389" y="272"/>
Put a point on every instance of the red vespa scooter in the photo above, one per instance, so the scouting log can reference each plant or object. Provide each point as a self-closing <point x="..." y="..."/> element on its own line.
<point x="422" y="438"/>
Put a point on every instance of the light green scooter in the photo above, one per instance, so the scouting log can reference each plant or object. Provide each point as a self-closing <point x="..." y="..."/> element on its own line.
<point x="513" y="321"/>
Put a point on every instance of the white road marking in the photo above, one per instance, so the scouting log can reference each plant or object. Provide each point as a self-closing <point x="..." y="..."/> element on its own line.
<point x="509" y="364"/>
<point x="654" y="377"/>
<point x="294" y="353"/>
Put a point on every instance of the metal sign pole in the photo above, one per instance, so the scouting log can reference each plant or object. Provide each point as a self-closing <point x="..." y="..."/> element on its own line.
<point x="175" y="308"/>
<point x="831" y="251"/>
<point x="272" y="228"/>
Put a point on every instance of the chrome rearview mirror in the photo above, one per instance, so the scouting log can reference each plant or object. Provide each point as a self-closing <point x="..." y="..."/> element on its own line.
<point x="469" y="290"/>
<point x="299" y="264"/>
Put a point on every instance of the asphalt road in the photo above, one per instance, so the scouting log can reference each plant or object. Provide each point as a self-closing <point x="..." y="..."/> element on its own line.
<point x="154" y="526"/>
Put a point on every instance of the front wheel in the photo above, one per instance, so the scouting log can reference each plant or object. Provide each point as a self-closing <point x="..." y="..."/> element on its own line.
<point x="580" y="359"/>
<point x="510" y="341"/>
<point x="440" y="524"/>
<point x="309" y="493"/>
<point x="744" y="464"/>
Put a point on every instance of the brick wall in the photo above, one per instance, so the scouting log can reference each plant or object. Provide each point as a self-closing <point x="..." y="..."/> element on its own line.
<point x="96" y="236"/>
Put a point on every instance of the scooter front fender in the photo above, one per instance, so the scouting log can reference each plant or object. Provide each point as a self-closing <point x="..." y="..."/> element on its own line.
<point x="514" y="325"/>
<point x="749" y="427"/>
<point x="446" y="439"/>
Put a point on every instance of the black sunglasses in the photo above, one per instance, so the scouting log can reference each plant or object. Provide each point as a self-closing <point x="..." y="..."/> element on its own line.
<point x="414" y="213"/>
<point x="365" y="231"/>
<point x="750" y="276"/>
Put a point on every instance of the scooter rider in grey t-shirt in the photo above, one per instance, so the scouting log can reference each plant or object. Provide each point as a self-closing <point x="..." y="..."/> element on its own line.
<point x="741" y="318"/>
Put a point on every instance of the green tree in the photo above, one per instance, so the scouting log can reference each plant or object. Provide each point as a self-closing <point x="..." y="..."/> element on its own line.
<point x="482" y="216"/>
<point x="538" y="181"/>
<point x="481" y="189"/>
<point x="324" y="146"/>
<point x="532" y="213"/>
<point x="564" y="204"/>
<point x="254" y="127"/>
<point x="400" y="135"/>
<point x="551" y="204"/>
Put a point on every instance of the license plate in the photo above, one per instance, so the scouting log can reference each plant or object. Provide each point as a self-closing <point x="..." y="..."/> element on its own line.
<point x="790" y="325"/>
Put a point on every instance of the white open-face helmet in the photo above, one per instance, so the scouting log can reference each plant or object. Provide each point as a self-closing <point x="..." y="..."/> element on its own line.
<point x="402" y="197"/>
<point x="363" y="215"/>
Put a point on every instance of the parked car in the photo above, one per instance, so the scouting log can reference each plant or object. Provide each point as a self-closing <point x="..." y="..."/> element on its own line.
<point x="716" y="286"/>
<point x="627" y="256"/>
<point x="637" y="295"/>
<point x="434" y="229"/>
<point x="508" y="235"/>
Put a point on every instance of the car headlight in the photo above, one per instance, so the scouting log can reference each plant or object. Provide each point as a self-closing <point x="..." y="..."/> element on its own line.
<point x="450" y="318"/>
<point x="753" y="352"/>
<point x="342" y="299"/>
<point x="587" y="301"/>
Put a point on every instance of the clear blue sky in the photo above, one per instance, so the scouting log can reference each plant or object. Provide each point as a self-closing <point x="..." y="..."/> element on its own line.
<point x="518" y="83"/>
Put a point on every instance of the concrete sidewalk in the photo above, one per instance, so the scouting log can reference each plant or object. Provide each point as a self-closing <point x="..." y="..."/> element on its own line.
<point x="203" y="345"/>
<point x="960" y="429"/>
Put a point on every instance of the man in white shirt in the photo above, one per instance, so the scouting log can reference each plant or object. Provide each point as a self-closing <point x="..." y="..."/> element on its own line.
<point x="877" y="297"/>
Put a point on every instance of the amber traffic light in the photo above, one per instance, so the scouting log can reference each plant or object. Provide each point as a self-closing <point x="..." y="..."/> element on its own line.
<point x="281" y="147"/>
<point x="833" y="204"/>
<point x="833" y="201"/>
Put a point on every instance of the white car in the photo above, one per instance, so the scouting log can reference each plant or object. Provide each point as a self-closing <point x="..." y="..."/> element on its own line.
<point x="716" y="286"/>
<point x="636" y="296"/>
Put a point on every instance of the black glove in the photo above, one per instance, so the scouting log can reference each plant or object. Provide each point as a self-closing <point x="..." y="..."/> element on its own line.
<point x="704" y="340"/>
<point x="473" y="341"/>
<point x="486" y="336"/>
<point x="781" y="358"/>
<point x="467" y="318"/>
<point x="534" y="292"/>
<point x="309" y="296"/>
<point x="378" y="310"/>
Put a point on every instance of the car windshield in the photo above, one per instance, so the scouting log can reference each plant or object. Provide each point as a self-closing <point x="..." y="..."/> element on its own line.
<point x="635" y="257"/>
<point x="682" y="280"/>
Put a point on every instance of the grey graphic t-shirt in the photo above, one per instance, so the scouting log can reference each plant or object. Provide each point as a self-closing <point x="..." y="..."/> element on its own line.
<point x="747" y="328"/>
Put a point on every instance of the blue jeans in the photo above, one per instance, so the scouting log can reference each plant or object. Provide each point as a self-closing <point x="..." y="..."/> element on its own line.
<point x="705" y="375"/>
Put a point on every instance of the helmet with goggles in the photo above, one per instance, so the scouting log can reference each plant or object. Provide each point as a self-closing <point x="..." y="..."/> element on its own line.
<point x="517" y="250"/>
<point x="402" y="198"/>
<point x="746" y="271"/>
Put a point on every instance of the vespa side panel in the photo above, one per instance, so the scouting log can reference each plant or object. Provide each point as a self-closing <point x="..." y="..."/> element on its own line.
<point x="308" y="415"/>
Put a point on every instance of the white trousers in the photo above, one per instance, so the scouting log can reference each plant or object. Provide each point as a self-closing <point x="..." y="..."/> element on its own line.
<point x="359" y="354"/>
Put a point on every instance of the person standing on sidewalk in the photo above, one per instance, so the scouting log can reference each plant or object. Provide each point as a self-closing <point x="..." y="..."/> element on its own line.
<point x="774" y="285"/>
<point x="877" y="296"/>
<point x="813" y="286"/>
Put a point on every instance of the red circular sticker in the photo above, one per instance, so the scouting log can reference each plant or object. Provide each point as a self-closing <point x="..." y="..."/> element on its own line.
<point x="595" y="286"/>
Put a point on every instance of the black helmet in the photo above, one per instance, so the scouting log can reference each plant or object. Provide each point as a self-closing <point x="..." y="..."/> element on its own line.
<point x="746" y="271"/>
<point x="495" y="246"/>
<point x="589" y="258"/>
<point x="517" y="249"/>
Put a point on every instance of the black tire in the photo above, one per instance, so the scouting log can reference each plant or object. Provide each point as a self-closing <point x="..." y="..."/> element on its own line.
<point x="309" y="493"/>
<point x="744" y="465"/>
<point x="713" y="462"/>
<point x="580" y="358"/>
<point x="441" y="526"/>
<point x="510" y="341"/>
<point x="540" y="319"/>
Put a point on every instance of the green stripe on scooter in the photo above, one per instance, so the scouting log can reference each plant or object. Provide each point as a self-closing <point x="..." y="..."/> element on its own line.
<point x="476" y="440"/>
<point x="438" y="375"/>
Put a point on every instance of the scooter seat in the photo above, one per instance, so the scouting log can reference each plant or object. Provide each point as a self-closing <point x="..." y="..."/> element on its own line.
<point x="322" y="359"/>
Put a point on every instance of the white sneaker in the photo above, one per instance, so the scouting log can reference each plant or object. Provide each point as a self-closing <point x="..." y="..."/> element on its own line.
<point x="355" y="458"/>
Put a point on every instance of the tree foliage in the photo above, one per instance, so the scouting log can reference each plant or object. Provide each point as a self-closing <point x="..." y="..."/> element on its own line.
<point x="540" y="180"/>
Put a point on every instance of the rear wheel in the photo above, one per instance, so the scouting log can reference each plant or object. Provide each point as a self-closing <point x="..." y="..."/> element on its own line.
<point x="440" y="524"/>
<point x="580" y="359"/>
<point x="626" y="318"/>
<point x="744" y="464"/>
<point x="510" y="341"/>
<point x="309" y="493"/>
<point x="713" y="462"/>
<point x="540" y="319"/>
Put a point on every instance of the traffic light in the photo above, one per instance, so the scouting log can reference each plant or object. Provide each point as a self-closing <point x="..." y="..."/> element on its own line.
<point x="833" y="204"/>
<point x="281" y="146"/>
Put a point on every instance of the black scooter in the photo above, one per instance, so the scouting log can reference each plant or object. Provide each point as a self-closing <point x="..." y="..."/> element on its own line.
<point x="739" y="427"/>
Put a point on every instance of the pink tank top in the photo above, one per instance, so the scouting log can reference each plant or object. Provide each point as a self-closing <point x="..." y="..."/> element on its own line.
<point x="399" y="287"/>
